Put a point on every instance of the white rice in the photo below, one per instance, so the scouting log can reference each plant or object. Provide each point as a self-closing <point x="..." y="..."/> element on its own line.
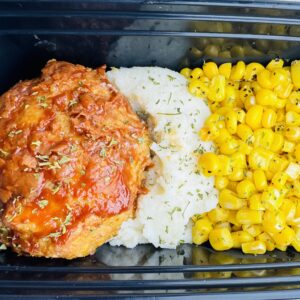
<point x="176" y="190"/>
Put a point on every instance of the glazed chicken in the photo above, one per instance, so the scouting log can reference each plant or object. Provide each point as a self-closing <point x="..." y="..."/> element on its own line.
<point x="73" y="156"/>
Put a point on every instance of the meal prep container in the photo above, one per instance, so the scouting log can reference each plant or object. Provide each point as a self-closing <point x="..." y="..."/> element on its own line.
<point x="147" y="33"/>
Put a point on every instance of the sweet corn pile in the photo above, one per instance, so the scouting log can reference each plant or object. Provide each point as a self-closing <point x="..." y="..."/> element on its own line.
<point x="255" y="126"/>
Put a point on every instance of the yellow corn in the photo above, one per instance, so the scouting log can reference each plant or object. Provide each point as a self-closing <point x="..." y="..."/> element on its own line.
<point x="273" y="221"/>
<point x="267" y="239"/>
<point x="210" y="69"/>
<point x="263" y="138"/>
<point x="254" y="116"/>
<point x="260" y="180"/>
<point x="295" y="72"/>
<point x="236" y="174"/>
<point x="260" y="158"/>
<point x="225" y="70"/>
<point x="217" y="89"/>
<point x="279" y="179"/>
<point x="288" y="208"/>
<point x="255" y="247"/>
<point x="221" y="182"/>
<point x="198" y="88"/>
<point x="201" y="230"/>
<point x="248" y="216"/>
<point x="292" y="118"/>
<point x="255" y="202"/>
<point x="220" y="239"/>
<point x="229" y="147"/>
<point x="277" y="143"/>
<point x="271" y="198"/>
<point x="209" y="163"/>
<point x="275" y="64"/>
<point x="186" y="72"/>
<point x="229" y="200"/>
<point x="196" y="73"/>
<point x="240" y="237"/>
<point x="297" y="152"/>
<point x="284" y="238"/>
<point x="245" y="188"/>
<point x="266" y="97"/>
<point x="255" y="125"/>
<point x="269" y="118"/>
<point x="251" y="71"/>
<point x="231" y="122"/>
<point x="253" y="230"/>
<point x="264" y="79"/>
<point x="238" y="71"/>
<point x="218" y="214"/>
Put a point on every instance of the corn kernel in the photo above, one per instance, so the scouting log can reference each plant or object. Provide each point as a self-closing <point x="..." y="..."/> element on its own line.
<point x="288" y="208"/>
<point x="186" y="72"/>
<point x="224" y="165"/>
<point x="292" y="133"/>
<point x="271" y="198"/>
<point x="293" y="170"/>
<point x="230" y="96"/>
<point x="209" y="163"/>
<point x="297" y="152"/>
<point x="277" y="164"/>
<point x="279" y="179"/>
<point x="264" y="78"/>
<point x="245" y="188"/>
<point x="269" y="118"/>
<point x="240" y="237"/>
<point x="200" y="231"/>
<point x="293" y="103"/>
<point x="220" y="239"/>
<point x="251" y="71"/>
<point x="285" y="237"/>
<point x="283" y="91"/>
<point x="260" y="158"/>
<point x="196" y="73"/>
<point x="225" y="70"/>
<point x="228" y="200"/>
<point x="221" y="182"/>
<point x="273" y="221"/>
<point x="210" y="69"/>
<point x="229" y="147"/>
<point x="277" y="143"/>
<point x="255" y="247"/>
<point x="292" y="118"/>
<point x="241" y="115"/>
<point x="231" y="122"/>
<point x="263" y="138"/>
<point x="254" y="116"/>
<point x="288" y="146"/>
<point x="218" y="214"/>
<point x="255" y="202"/>
<point x="253" y="230"/>
<point x="217" y="89"/>
<point x="265" y="237"/>
<point x="275" y="64"/>
<point x="260" y="180"/>
<point x="236" y="174"/>
<point x="238" y="71"/>
<point x="266" y="97"/>
<point x="198" y="88"/>
<point x="248" y="217"/>
<point x="295" y="72"/>
<point x="245" y="133"/>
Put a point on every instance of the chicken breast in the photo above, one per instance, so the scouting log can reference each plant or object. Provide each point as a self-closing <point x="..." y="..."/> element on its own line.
<point x="73" y="155"/>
